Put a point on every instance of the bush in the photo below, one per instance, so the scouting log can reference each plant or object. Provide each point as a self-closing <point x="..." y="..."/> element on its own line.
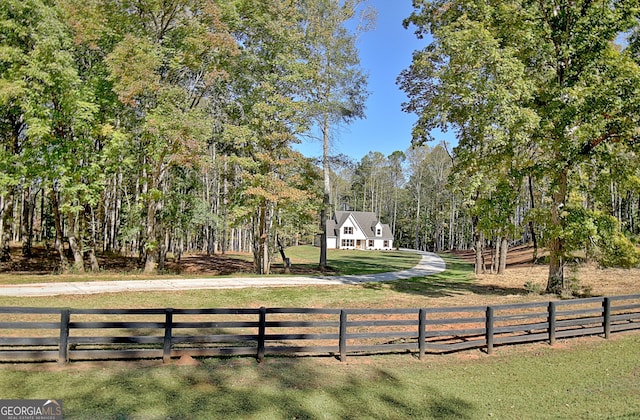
<point x="619" y="251"/>
<point x="533" y="288"/>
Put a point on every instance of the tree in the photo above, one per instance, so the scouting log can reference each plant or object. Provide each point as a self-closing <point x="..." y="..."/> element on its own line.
<point x="163" y="61"/>
<point x="43" y="88"/>
<point x="504" y="74"/>
<point x="266" y="115"/>
<point x="337" y="86"/>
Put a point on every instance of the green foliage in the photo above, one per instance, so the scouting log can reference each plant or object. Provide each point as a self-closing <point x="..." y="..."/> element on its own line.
<point x="619" y="251"/>
<point x="532" y="89"/>
<point x="600" y="234"/>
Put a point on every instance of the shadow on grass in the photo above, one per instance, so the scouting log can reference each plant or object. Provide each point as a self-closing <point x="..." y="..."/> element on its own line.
<point x="457" y="279"/>
<point x="361" y="263"/>
<point x="238" y="388"/>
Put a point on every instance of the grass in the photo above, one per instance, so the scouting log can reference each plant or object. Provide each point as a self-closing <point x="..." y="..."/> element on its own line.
<point x="400" y="293"/>
<point x="597" y="379"/>
<point x="576" y="379"/>
<point x="347" y="262"/>
<point x="341" y="262"/>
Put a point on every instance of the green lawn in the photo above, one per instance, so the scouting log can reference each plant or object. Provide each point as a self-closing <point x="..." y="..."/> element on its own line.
<point x="341" y="262"/>
<point x="593" y="380"/>
<point x="580" y="379"/>
<point x="400" y="293"/>
<point x="346" y="261"/>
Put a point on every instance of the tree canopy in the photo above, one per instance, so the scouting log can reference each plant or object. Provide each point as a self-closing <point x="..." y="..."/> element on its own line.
<point x="531" y="88"/>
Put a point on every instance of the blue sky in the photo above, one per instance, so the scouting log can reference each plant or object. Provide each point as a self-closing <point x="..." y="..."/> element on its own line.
<point x="384" y="53"/>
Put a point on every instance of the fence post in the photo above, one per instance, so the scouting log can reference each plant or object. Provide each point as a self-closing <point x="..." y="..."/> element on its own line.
<point x="63" y="350"/>
<point x="606" y="309"/>
<point x="168" y="332"/>
<point x="489" y="329"/>
<point x="343" y="335"/>
<point x="262" y="331"/>
<point x="552" y="323"/>
<point x="422" y="324"/>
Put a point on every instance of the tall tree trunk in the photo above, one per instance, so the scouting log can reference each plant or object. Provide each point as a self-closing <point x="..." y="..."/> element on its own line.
<point x="75" y="243"/>
<point x="6" y="203"/>
<point x="479" y="248"/>
<point x="556" y="282"/>
<point x="261" y="246"/>
<point x="26" y="227"/>
<point x="152" y="242"/>
<point x="59" y="241"/>
<point x="418" y="205"/>
<point x="504" y="248"/>
<point x="90" y="229"/>
<point x="532" y="230"/>
<point x="326" y="195"/>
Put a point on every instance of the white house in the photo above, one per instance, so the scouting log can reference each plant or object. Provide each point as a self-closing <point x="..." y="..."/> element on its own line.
<point x="358" y="230"/>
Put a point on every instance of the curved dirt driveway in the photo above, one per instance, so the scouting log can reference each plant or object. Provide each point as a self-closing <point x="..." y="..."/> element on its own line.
<point x="428" y="265"/>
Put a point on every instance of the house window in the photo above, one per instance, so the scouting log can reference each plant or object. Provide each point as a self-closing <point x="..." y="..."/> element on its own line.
<point x="347" y="243"/>
<point x="370" y="243"/>
<point x="378" y="232"/>
<point x="386" y="244"/>
<point x="348" y="230"/>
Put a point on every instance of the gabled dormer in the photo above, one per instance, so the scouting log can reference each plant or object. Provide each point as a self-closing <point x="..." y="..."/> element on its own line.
<point x="377" y="230"/>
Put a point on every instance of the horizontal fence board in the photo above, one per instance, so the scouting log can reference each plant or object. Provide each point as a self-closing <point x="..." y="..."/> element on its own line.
<point x="625" y="327"/>
<point x="625" y="307"/>
<point x="29" y="341"/>
<point x="95" y="325"/>
<point x="445" y="333"/>
<point x="319" y="311"/>
<point x="28" y="355"/>
<point x="302" y="349"/>
<point x="455" y="309"/>
<point x="391" y="311"/>
<point x="35" y="325"/>
<point x="373" y="348"/>
<point x="219" y="338"/>
<point x="167" y="332"/>
<point x="458" y="346"/>
<point x="582" y="301"/>
<point x="530" y="305"/>
<point x="521" y="338"/>
<point x="579" y="322"/>
<point x="329" y="336"/>
<point x="214" y="352"/>
<point x="28" y="310"/>
<point x="387" y="334"/>
<point x="625" y="297"/>
<point x="431" y="321"/>
<point x="625" y="317"/>
<point x="219" y="324"/>
<point x="117" y="340"/>
<point x="115" y="354"/>
<point x="521" y="327"/>
<point x="302" y="324"/>
<point x="154" y="311"/>
<point x="579" y="332"/>
<point x="585" y="312"/>
<point x="382" y="323"/>
<point x="216" y="311"/>
<point x="520" y="317"/>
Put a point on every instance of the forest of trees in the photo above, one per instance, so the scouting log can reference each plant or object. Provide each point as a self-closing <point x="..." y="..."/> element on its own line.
<point x="142" y="127"/>
<point x="145" y="126"/>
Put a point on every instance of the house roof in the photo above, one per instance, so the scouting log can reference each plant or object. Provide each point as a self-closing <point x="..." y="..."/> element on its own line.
<point x="367" y="221"/>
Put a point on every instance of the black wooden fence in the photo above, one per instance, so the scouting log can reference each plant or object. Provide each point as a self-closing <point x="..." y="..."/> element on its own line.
<point x="54" y="334"/>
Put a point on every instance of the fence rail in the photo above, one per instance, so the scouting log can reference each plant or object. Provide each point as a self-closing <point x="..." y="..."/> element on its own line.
<point x="63" y="335"/>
